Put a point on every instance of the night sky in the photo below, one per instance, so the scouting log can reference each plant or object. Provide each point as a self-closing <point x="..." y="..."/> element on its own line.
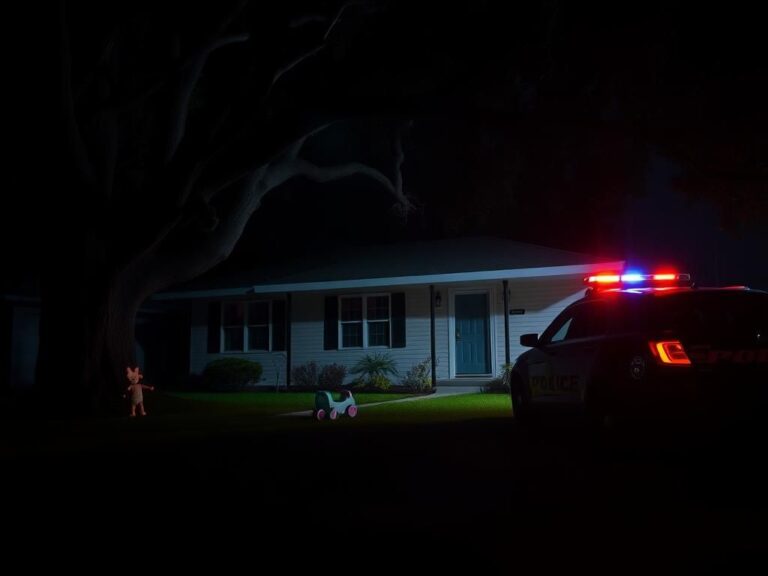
<point x="577" y="131"/>
<point x="636" y="131"/>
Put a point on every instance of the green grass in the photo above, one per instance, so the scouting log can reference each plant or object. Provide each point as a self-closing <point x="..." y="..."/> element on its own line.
<point x="445" y="409"/>
<point x="254" y="403"/>
<point x="187" y="418"/>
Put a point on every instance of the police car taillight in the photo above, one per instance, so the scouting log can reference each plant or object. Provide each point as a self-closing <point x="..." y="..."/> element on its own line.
<point x="670" y="352"/>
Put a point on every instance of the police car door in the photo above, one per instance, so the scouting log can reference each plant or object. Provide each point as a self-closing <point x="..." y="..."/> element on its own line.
<point x="570" y="349"/>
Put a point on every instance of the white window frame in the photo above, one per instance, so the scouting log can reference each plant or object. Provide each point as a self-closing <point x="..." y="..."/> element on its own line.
<point x="365" y="320"/>
<point x="246" y="324"/>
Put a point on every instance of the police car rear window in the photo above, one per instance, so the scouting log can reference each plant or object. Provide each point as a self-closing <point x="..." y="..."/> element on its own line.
<point x="584" y="320"/>
<point x="713" y="313"/>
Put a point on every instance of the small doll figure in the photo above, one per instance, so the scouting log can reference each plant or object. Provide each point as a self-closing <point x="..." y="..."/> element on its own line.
<point x="135" y="389"/>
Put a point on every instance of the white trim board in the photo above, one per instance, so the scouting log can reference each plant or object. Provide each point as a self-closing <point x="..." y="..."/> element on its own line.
<point x="510" y="274"/>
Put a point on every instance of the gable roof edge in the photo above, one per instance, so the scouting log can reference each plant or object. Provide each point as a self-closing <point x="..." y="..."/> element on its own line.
<point x="320" y="286"/>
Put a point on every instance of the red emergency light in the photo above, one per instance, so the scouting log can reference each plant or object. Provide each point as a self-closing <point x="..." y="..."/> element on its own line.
<point x="636" y="280"/>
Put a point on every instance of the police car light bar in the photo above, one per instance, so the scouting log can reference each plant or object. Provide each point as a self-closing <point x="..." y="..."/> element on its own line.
<point x="636" y="280"/>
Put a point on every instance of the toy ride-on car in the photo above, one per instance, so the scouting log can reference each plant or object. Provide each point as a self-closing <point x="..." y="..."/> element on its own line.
<point x="325" y="405"/>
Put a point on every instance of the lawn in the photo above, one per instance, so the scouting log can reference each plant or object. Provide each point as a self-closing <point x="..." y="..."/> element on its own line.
<point x="253" y="403"/>
<point x="448" y="408"/>
<point x="185" y="418"/>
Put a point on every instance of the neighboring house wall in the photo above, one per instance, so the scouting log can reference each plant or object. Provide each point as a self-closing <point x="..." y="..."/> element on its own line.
<point x="541" y="298"/>
<point x="156" y="353"/>
<point x="6" y="343"/>
<point x="24" y="347"/>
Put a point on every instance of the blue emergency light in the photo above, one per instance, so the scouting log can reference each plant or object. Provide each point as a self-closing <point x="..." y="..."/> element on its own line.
<point x="637" y="280"/>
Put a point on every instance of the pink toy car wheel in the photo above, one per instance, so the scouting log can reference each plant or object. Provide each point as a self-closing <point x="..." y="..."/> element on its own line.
<point x="333" y="414"/>
<point x="352" y="411"/>
<point x="320" y="414"/>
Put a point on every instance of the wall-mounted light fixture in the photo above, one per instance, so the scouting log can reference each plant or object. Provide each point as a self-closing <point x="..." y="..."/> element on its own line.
<point x="438" y="299"/>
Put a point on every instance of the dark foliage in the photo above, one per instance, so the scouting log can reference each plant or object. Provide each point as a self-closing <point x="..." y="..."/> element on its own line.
<point x="231" y="374"/>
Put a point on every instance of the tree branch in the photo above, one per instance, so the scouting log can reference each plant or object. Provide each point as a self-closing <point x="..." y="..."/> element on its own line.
<point x="165" y="270"/>
<point x="75" y="143"/>
<point x="284" y="171"/>
<point x="290" y="152"/>
<point x="338" y="17"/>
<point x="399" y="159"/>
<point x="295" y="149"/>
<point x="291" y="65"/>
<point x="178" y="67"/>
<point x="190" y="78"/>
<point x="313" y="51"/>
<point x="106" y="54"/>
<point x="307" y="19"/>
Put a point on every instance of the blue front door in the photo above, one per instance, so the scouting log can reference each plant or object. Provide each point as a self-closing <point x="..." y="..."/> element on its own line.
<point x="472" y="350"/>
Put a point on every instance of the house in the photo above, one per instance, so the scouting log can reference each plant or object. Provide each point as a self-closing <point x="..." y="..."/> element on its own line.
<point x="462" y="303"/>
<point x="161" y="346"/>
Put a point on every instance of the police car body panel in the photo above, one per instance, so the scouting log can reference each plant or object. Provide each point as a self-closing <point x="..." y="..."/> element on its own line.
<point x="649" y="351"/>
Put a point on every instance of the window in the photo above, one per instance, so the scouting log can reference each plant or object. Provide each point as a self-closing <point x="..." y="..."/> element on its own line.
<point x="233" y="318"/>
<point x="258" y="326"/>
<point x="582" y="321"/>
<point x="351" y="322"/>
<point x="245" y="326"/>
<point x="562" y="332"/>
<point x="364" y="321"/>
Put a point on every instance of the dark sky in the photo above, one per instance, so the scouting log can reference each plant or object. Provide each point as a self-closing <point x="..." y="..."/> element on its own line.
<point x="612" y="129"/>
<point x="565" y="126"/>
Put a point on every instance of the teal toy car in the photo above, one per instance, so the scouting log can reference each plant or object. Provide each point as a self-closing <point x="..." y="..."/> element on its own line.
<point x="326" y="406"/>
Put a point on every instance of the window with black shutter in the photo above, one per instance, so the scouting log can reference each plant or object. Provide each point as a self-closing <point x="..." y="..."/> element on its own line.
<point x="214" y="327"/>
<point x="331" y="332"/>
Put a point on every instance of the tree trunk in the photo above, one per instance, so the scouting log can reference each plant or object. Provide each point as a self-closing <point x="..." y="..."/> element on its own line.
<point x="86" y="342"/>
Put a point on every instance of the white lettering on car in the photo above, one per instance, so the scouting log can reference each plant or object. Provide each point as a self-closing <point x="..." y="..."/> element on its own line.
<point x="703" y="355"/>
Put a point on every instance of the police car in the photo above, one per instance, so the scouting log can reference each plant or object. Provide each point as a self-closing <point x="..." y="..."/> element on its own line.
<point x="648" y="346"/>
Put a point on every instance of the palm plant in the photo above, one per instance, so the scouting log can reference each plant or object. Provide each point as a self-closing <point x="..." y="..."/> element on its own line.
<point x="375" y="366"/>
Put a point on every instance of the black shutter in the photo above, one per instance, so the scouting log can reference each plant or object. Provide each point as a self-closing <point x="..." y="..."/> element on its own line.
<point x="214" y="327"/>
<point x="278" y="325"/>
<point x="331" y="340"/>
<point x="398" y="320"/>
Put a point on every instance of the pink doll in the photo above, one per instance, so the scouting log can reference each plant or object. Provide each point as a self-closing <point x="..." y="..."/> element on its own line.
<point x="135" y="389"/>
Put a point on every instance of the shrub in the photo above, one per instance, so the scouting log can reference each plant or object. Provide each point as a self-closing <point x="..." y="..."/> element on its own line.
<point x="417" y="378"/>
<point x="501" y="384"/>
<point x="379" y="383"/>
<point x="230" y="374"/>
<point x="332" y="376"/>
<point x="373" y="366"/>
<point x="305" y="375"/>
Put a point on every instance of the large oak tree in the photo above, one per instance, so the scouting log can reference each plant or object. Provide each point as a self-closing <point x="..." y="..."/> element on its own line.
<point x="178" y="121"/>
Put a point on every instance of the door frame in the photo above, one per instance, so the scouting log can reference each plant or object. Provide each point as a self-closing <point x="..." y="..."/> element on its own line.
<point x="491" y="294"/>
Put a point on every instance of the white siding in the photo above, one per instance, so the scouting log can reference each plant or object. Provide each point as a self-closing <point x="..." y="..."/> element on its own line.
<point x="24" y="347"/>
<point x="308" y="333"/>
<point x="272" y="363"/>
<point x="542" y="299"/>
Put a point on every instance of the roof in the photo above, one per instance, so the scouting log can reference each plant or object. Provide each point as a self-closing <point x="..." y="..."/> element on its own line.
<point x="427" y="262"/>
